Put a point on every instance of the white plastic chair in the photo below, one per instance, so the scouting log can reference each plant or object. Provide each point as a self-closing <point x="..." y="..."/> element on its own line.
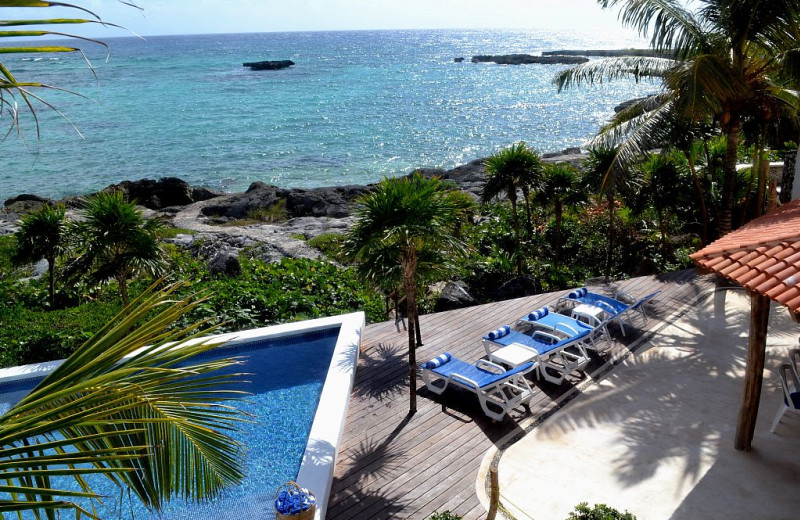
<point x="790" y="393"/>
<point x="794" y="360"/>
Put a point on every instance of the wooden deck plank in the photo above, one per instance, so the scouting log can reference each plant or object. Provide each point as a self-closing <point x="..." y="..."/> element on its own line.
<point x="392" y="465"/>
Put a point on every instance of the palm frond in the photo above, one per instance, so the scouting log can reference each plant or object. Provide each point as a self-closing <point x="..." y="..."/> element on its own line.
<point x="611" y="69"/>
<point x="669" y="24"/>
<point x="128" y="404"/>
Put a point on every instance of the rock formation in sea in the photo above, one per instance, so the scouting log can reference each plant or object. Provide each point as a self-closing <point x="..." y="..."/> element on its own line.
<point x="268" y="65"/>
<point x="525" y="59"/>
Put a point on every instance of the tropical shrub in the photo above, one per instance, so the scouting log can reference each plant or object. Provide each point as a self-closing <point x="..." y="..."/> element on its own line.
<point x="598" y="512"/>
<point x="444" y="515"/>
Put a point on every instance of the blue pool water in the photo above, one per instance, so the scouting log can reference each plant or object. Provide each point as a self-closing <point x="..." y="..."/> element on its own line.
<point x="288" y="374"/>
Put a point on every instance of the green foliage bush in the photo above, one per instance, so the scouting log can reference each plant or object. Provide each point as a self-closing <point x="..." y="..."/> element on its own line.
<point x="598" y="512"/>
<point x="289" y="290"/>
<point x="444" y="515"/>
<point x="33" y="335"/>
<point x="329" y="244"/>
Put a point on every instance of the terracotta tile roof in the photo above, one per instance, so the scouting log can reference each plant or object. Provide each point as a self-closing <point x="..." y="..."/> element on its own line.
<point x="762" y="256"/>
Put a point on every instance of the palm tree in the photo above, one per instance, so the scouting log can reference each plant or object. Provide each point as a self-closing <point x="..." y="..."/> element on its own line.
<point x="662" y="178"/>
<point x="42" y="234"/>
<point x="560" y="187"/>
<point x="511" y="169"/>
<point x="404" y="227"/>
<point x="117" y="242"/>
<point x="734" y="61"/>
<point x="607" y="177"/>
<point x="11" y="86"/>
<point x="128" y="406"/>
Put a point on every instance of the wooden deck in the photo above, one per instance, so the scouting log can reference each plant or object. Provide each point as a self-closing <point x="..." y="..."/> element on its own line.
<point x="392" y="465"/>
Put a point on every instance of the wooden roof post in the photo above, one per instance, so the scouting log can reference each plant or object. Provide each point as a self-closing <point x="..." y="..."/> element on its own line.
<point x="754" y="373"/>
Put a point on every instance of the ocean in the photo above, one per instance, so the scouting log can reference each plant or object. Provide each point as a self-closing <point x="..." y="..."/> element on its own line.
<point x="355" y="107"/>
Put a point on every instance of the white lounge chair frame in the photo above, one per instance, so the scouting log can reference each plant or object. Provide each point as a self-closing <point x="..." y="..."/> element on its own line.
<point x="786" y="373"/>
<point x="559" y="360"/>
<point x="504" y="394"/>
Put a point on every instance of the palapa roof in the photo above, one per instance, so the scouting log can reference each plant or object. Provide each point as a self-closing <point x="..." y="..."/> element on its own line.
<point x="762" y="256"/>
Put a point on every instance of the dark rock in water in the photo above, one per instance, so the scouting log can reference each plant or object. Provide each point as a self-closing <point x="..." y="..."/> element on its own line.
<point x="454" y="296"/>
<point x="607" y="53"/>
<point x="517" y="288"/>
<point x="203" y="193"/>
<point x="269" y="65"/>
<point x="334" y="202"/>
<point x="25" y="203"/>
<point x="239" y="205"/>
<point x="458" y="60"/>
<point x="526" y="59"/>
<point x="162" y="193"/>
<point x="225" y="264"/>
<point x="469" y="177"/>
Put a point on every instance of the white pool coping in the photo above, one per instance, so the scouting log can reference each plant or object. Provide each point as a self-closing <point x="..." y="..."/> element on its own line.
<point x="322" y="448"/>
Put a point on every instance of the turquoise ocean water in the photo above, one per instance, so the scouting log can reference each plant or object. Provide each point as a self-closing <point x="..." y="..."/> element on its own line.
<point x="356" y="106"/>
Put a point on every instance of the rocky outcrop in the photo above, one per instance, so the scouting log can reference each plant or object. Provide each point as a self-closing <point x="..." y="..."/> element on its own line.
<point x="455" y="295"/>
<point x="225" y="264"/>
<point x="458" y="60"/>
<point x="526" y="59"/>
<point x="162" y="193"/>
<point x="468" y="177"/>
<point x="25" y="203"/>
<point x="331" y="202"/>
<point x="269" y="65"/>
<point x="609" y="53"/>
<point x="516" y="288"/>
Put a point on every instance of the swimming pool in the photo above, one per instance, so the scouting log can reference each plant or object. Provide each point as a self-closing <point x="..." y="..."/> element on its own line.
<point x="302" y="377"/>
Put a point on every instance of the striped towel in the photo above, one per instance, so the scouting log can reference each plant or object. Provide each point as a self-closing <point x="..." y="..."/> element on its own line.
<point x="499" y="333"/>
<point x="438" y="361"/>
<point x="538" y="314"/>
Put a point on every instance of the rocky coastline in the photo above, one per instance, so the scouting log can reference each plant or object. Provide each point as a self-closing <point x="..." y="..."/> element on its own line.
<point x="270" y="222"/>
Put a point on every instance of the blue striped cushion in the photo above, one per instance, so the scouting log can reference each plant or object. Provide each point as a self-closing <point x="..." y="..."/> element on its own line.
<point x="438" y="361"/>
<point x="578" y="293"/>
<point x="499" y="333"/>
<point x="538" y="314"/>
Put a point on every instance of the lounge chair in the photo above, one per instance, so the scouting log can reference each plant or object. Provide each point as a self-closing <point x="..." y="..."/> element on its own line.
<point x="553" y="354"/>
<point x="790" y="394"/>
<point x="582" y="301"/>
<point x="571" y="326"/>
<point x="498" y="390"/>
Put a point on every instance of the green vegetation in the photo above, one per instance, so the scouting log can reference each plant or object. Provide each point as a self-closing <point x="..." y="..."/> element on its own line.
<point x="263" y="294"/>
<point x="42" y="235"/>
<point x="514" y="168"/>
<point x="405" y="235"/>
<point x="598" y="512"/>
<point x="100" y="410"/>
<point x="330" y="244"/>
<point x="734" y="71"/>
<point x="444" y="515"/>
<point x="115" y="242"/>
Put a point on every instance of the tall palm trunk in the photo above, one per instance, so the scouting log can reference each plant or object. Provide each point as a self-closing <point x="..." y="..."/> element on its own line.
<point x="526" y="192"/>
<point x="51" y="287"/>
<point x="512" y="197"/>
<point x="610" y="201"/>
<point x="559" y="210"/>
<point x="763" y="173"/>
<point x="700" y="196"/>
<point x="123" y="289"/>
<point x="729" y="175"/>
<point x="410" y="284"/>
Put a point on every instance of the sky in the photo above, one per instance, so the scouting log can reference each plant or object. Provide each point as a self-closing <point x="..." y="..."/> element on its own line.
<point x="230" y="16"/>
